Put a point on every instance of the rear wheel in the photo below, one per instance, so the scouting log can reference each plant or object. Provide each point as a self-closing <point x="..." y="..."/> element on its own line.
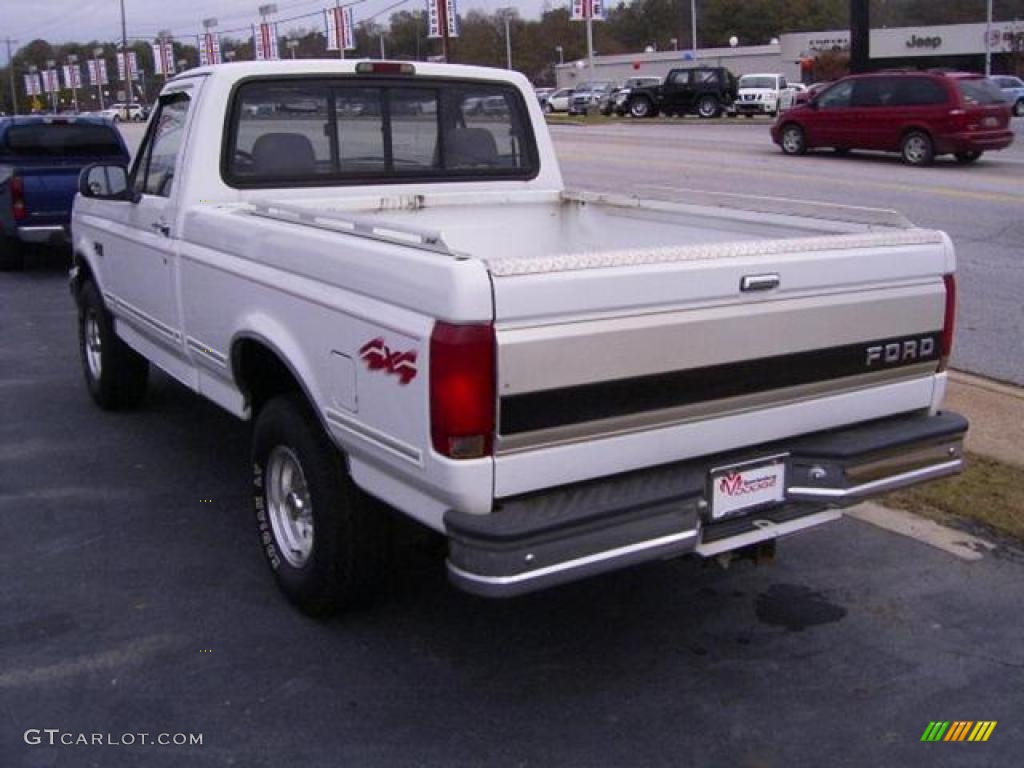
<point x="708" y="107"/>
<point x="321" y="536"/>
<point x="641" y="107"/>
<point x="12" y="256"/>
<point x="115" y="374"/>
<point x="793" y="140"/>
<point x="548" y="108"/>
<point x="917" y="148"/>
<point x="966" y="158"/>
<point x="1018" y="108"/>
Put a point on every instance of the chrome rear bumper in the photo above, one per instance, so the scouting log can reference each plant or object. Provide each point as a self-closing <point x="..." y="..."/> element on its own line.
<point x="568" y="533"/>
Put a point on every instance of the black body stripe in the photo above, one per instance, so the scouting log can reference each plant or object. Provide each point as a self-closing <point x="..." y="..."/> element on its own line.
<point x="590" y="402"/>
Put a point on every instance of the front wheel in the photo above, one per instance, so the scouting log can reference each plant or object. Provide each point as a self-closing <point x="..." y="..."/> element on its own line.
<point x="707" y="107"/>
<point x="793" y="140"/>
<point x="321" y="536"/>
<point x="548" y="109"/>
<point x="966" y="158"/>
<point x="641" y="107"/>
<point x="1018" y="108"/>
<point x="115" y="374"/>
<point x="917" y="149"/>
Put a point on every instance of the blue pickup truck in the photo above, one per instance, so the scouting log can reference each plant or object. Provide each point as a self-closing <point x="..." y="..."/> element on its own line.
<point x="40" y="159"/>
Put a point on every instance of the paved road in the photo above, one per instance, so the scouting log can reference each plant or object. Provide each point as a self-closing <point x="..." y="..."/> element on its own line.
<point x="133" y="600"/>
<point x="981" y="207"/>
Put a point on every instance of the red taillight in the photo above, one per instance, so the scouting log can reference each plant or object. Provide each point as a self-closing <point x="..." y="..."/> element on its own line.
<point x="462" y="390"/>
<point x="18" y="199"/>
<point x="948" y="322"/>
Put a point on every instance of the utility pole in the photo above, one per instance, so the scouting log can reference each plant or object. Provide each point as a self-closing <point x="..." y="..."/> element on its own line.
<point x="10" y="72"/>
<point x="860" y="35"/>
<point x="693" y="26"/>
<point x="507" y="15"/>
<point x="127" y="68"/>
<point x="988" y="41"/>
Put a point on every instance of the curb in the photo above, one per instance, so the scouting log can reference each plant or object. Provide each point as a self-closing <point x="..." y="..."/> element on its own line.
<point x="989" y="385"/>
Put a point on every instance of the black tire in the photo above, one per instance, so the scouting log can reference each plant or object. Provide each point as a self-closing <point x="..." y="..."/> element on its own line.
<point x="966" y="158"/>
<point x="917" y="149"/>
<point x="1018" y="108"/>
<point x="641" y="107"/>
<point x="548" y="109"/>
<point x="793" y="140"/>
<point x="708" y="107"/>
<point x="115" y="374"/>
<point x="749" y="116"/>
<point x="346" y="528"/>
<point x="12" y="255"/>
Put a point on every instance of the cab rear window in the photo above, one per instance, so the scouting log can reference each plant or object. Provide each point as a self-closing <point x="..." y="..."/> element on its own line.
<point x="358" y="131"/>
<point x="62" y="140"/>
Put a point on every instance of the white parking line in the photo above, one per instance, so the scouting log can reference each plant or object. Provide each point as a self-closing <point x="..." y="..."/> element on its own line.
<point x="957" y="543"/>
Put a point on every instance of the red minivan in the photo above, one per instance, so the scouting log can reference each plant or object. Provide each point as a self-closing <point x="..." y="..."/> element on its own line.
<point x="918" y="114"/>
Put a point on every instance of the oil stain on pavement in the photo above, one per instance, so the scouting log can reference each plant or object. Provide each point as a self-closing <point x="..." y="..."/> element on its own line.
<point x="796" y="607"/>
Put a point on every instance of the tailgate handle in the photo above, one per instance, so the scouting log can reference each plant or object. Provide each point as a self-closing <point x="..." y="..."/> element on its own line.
<point x="759" y="282"/>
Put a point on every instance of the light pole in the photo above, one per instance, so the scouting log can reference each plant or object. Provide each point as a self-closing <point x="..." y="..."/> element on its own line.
<point x="72" y="70"/>
<point x="560" y="52"/>
<point x="382" y="44"/>
<point x="97" y="54"/>
<point x="124" y="53"/>
<point x="988" y="39"/>
<point x="693" y="25"/>
<point x="507" y="15"/>
<point x="50" y="64"/>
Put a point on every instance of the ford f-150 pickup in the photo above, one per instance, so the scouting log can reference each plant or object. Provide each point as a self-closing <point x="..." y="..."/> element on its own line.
<point x="401" y="295"/>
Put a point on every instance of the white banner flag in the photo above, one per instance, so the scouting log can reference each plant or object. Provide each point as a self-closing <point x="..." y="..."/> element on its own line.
<point x="264" y="38"/>
<point x="340" y="29"/>
<point x="98" y="72"/>
<point x="442" y="14"/>
<point x="51" y="83"/>
<point x="587" y="9"/>
<point x="163" y="57"/>
<point x="72" y="76"/>
<point x="209" y="49"/>
<point x="133" y="66"/>
<point x="32" y="85"/>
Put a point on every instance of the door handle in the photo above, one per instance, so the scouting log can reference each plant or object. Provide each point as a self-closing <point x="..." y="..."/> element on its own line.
<point x="161" y="227"/>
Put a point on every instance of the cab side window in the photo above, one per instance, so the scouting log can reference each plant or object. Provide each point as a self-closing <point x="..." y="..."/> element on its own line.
<point x="681" y="77"/>
<point x="154" y="169"/>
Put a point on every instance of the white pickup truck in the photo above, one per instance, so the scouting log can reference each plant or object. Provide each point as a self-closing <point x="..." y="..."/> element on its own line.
<point x="400" y="294"/>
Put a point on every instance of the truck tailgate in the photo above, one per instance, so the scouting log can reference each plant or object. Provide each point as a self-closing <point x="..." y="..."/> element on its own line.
<point x="611" y="360"/>
<point x="49" y="191"/>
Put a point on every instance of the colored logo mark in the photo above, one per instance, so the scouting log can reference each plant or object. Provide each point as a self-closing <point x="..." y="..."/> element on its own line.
<point x="958" y="730"/>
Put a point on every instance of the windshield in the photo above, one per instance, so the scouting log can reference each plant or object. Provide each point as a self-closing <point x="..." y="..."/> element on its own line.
<point x="63" y="140"/>
<point x="977" y="90"/>
<point x="753" y="81"/>
<point x="306" y="132"/>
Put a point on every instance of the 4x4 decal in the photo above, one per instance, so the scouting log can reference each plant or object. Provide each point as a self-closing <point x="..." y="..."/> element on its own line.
<point x="379" y="357"/>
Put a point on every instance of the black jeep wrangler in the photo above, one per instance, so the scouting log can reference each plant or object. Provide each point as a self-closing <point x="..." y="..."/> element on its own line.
<point x="704" y="91"/>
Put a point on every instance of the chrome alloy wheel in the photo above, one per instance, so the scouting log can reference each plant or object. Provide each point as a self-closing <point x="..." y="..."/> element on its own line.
<point x="793" y="140"/>
<point x="289" y="506"/>
<point x="916" y="149"/>
<point x="93" y="345"/>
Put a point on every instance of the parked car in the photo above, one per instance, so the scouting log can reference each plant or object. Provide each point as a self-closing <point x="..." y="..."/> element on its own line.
<point x="127" y="113"/>
<point x="791" y="95"/>
<point x="558" y="101"/>
<point x="616" y="101"/>
<point x="759" y="95"/>
<point x="918" y="114"/>
<point x="705" y="91"/>
<point x="587" y="96"/>
<point x="542" y="94"/>
<point x="1013" y="90"/>
<point x="560" y="383"/>
<point x="40" y="159"/>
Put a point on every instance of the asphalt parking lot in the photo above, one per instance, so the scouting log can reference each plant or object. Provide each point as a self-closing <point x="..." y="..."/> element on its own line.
<point x="134" y="600"/>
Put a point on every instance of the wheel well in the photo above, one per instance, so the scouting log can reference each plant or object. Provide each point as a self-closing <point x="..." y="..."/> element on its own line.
<point x="260" y="373"/>
<point x="915" y="129"/>
<point x="83" y="276"/>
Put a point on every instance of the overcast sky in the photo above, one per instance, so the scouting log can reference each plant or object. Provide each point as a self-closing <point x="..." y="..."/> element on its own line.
<point x="83" y="20"/>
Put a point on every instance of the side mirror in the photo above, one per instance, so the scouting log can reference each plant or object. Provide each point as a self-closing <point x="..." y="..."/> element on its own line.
<point x="102" y="181"/>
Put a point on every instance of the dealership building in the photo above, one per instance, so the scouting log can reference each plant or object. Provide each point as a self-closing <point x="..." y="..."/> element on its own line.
<point x="953" y="46"/>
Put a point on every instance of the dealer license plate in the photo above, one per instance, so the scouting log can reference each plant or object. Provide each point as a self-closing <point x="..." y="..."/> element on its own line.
<point x="742" y="487"/>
